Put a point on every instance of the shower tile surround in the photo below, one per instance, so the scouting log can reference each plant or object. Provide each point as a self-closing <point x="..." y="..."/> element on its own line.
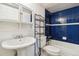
<point x="70" y="33"/>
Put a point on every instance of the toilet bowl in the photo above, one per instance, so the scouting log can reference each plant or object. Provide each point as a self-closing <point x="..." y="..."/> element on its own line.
<point x="48" y="50"/>
<point x="51" y="50"/>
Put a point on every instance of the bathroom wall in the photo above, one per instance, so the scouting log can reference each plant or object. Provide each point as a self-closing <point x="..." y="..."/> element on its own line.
<point x="47" y="21"/>
<point x="71" y="32"/>
<point x="9" y="30"/>
<point x="36" y="8"/>
<point x="66" y="33"/>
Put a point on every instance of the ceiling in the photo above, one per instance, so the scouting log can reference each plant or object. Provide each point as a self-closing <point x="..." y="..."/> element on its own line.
<point x="54" y="7"/>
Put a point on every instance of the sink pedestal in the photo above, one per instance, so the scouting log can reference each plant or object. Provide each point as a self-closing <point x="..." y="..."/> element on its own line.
<point x="26" y="51"/>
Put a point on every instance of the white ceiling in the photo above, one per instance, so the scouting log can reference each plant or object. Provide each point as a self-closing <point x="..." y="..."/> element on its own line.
<point x="54" y="7"/>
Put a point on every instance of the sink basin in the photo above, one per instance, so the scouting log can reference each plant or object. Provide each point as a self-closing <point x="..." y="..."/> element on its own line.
<point x="23" y="46"/>
<point x="17" y="43"/>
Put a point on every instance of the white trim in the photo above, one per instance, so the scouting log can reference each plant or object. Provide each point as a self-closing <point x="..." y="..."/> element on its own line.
<point x="62" y="24"/>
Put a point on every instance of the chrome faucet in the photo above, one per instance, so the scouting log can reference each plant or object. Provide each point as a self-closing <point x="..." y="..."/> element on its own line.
<point x="18" y="36"/>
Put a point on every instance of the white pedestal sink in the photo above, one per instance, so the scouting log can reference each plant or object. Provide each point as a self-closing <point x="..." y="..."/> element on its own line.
<point x="24" y="46"/>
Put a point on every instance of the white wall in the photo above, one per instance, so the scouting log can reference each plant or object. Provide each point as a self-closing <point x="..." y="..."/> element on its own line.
<point x="8" y="30"/>
<point x="67" y="49"/>
<point x="36" y="8"/>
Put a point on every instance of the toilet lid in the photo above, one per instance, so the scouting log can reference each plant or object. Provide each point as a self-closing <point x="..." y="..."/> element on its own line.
<point x="52" y="49"/>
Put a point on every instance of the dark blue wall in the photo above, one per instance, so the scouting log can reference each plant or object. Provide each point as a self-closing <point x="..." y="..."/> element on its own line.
<point x="70" y="31"/>
<point x="47" y="21"/>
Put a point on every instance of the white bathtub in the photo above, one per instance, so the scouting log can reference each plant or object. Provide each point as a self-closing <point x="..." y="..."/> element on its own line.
<point x="67" y="49"/>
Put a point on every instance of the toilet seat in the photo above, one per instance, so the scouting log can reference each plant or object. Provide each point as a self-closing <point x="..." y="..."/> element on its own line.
<point x="52" y="50"/>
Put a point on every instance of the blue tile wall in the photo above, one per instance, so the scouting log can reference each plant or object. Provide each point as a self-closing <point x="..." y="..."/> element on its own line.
<point x="47" y="21"/>
<point x="70" y="31"/>
<point x="70" y="15"/>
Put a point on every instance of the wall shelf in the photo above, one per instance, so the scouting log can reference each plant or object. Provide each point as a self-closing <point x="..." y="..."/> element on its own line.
<point x="62" y="24"/>
<point x="17" y="22"/>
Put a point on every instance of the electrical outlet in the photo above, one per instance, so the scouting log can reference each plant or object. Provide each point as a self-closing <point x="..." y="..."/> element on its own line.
<point x="64" y="38"/>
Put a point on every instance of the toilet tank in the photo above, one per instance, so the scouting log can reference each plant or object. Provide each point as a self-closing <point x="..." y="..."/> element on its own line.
<point x="43" y="41"/>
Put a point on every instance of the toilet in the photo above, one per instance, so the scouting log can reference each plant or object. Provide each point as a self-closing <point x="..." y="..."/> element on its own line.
<point x="48" y="50"/>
